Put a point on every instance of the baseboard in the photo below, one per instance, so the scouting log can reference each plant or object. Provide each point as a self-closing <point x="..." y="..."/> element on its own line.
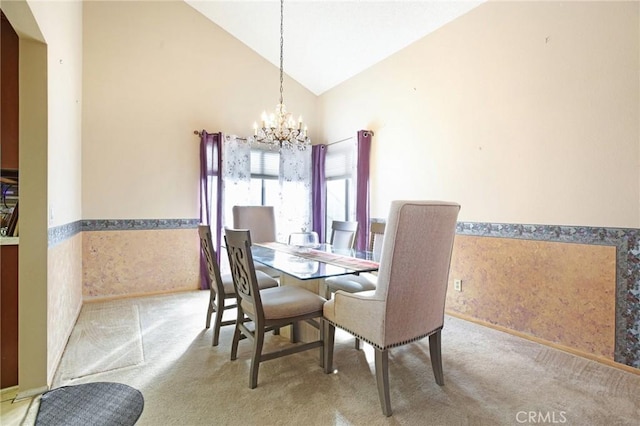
<point x="135" y="295"/>
<point x="563" y="348"/>
<point x="8" y="394"/>
<point x="29" y="393"/>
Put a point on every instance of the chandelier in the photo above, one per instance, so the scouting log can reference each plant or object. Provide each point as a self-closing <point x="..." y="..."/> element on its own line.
<point x="280" y="127"/>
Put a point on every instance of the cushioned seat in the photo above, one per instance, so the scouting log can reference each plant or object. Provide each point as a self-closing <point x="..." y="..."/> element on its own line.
<point x="264" y="281"/>
<point x="352" y="283"/>
<point x="286" y="302"/>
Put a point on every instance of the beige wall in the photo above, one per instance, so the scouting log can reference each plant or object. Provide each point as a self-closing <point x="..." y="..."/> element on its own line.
<point x="50" y="120"/>
<point x="61" y="25"/>
<point x="153" y="73"/>
<point x="523" y="112"/>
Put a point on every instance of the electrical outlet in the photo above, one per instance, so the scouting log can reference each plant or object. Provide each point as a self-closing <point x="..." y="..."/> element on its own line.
<point x="457" y="284"/>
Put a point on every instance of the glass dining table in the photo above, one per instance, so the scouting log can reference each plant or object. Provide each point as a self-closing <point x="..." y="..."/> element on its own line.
<point x="313" y="263"/>
<point x="307" y="267"/>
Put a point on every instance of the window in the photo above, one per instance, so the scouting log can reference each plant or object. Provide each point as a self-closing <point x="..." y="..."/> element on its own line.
<point x="265" y="168"/>
<point x="340" y="167"/>
<point x="255" y="174"/>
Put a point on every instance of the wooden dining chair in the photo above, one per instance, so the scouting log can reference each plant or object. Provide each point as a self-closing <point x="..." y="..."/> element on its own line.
<point x="267" y="309"/>
<point x="221" y="287"/>
<point x="343" y="234"/>
<point x="408" y="302"/>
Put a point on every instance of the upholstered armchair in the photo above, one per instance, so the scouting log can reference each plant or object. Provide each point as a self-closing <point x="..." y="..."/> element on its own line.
<point x="408" y="302"/>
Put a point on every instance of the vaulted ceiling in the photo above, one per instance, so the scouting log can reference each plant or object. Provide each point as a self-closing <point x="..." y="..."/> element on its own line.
<point x="327" y="42"/>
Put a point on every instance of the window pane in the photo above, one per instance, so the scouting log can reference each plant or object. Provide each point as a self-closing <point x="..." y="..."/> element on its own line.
<point x="256" y="192"/>
<point x="271" y="192"/>
<point x="337" y="201"/>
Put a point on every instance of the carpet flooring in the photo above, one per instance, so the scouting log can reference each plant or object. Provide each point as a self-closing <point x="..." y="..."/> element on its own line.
<point x="491" y="377"/>
<point x="104" y="338"/>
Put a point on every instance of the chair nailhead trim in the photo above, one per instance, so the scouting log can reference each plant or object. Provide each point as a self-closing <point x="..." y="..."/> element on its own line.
<point x="393" y="345"/>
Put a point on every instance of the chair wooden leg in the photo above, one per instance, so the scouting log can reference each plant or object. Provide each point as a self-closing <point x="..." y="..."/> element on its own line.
<point x="382" y="379"/>
<point x="329" y="337"/>
<point x="218" y="324"/>
<point x="258" y="342"/>
<point x="327" y="293"/>
<point x="210" y="309"/>
<point x="236" y="335"/>
<point x="323" y="340"/>
<point x="435" y="341"/>
<point x="357" y="345"/>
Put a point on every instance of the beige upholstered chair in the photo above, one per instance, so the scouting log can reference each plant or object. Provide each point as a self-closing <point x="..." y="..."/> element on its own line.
<point x="353" y="283"/>
<point x="221" y="286"/>
<point x="343" y="234"/>
<point x="408" y="302"/>
<point x="267" y="309"/>
<point x="261" y="222"/>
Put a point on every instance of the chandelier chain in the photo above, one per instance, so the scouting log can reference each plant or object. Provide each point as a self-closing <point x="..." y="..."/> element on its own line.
<point x="281" y="51"/>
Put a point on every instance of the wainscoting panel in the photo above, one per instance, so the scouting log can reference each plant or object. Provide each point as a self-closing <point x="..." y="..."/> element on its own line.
<point x="139" y="261"/>
<point x="572" y="286"/>
<point x="64" y="276"/>
<point x="564" y="293"/>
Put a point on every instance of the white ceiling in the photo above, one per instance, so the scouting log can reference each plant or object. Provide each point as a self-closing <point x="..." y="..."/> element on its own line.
<point x="327" y="42"/>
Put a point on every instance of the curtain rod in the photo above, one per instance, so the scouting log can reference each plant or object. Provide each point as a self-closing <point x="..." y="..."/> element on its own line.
<point x="199" y="133"/>
<point x="342" y="140"/>
<point x="349" y="138"/>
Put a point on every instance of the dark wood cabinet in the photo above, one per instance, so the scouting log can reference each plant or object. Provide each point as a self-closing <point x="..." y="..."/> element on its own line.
<point x="10" y="162"/>
<point x="9" y="316"/>
<point x="9" y="94"/>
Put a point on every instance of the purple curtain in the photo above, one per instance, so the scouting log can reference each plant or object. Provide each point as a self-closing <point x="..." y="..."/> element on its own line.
<point x="362" y="188"/>
<point x="318" y="190"/>
<point x="210" y="194"/>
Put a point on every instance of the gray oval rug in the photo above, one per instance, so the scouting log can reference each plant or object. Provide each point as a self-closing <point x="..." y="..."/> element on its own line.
<point x="99" y="403"/>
